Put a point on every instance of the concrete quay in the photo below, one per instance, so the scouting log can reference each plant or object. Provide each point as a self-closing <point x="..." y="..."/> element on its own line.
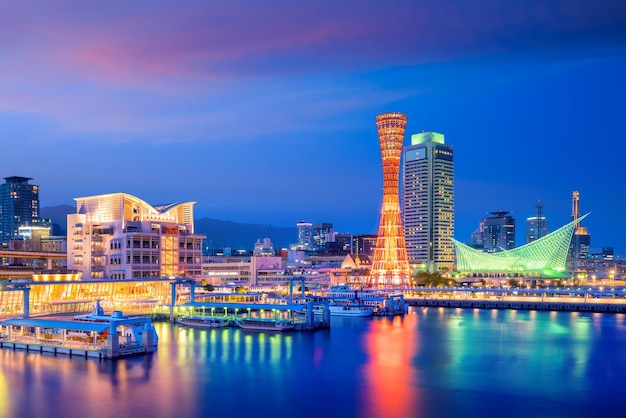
<point x="54" y="349"/>
<point x="520" y="305"/>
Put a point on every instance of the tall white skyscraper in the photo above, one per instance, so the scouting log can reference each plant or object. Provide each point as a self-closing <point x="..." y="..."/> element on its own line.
<point x="305" y="235"/>
<point x="428" y="201"/>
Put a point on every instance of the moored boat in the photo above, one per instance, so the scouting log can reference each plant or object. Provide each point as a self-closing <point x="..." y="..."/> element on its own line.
<point x="345" y="310"/>
<point x="350" y="310"/>
<point x="204" y="322"/>
<point x="260" y="324"/>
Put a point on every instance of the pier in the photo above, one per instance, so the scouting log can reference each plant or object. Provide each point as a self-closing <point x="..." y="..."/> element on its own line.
<point x="522" y="305"/>
<point x="238" y="306"/>
<point x="118" y="336"/>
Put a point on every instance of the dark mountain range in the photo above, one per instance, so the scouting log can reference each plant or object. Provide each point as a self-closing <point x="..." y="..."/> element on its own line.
<point x="219" y="234"/>
<point x="58" y="215"/>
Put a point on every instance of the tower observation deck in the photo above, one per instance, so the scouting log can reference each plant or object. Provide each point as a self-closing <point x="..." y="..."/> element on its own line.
<point x="390" y="265"/>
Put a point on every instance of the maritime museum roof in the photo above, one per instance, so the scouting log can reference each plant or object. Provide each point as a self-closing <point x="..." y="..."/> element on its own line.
<point x="546" y="256"/>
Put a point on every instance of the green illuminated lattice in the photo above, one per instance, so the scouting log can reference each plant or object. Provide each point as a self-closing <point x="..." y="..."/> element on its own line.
<point x="547" y="255"/>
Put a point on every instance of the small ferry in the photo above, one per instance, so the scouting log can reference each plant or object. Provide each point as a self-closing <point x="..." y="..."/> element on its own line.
<point x="381" y="303"/>
<point x="345" y="310"/>
<point x="350" y="310"/>
<point x="260" y="324"/>
<point x="204" y="321"/>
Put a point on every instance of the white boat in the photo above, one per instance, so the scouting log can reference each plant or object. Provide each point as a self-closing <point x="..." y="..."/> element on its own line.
<point x="350" y="310"/>
<point x="260" y="324"/>
<point x="204" y="321"/>
<point x="345" y="310"/>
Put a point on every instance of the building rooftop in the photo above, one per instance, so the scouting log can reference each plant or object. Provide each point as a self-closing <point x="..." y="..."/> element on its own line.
<point x="17" y="179"/>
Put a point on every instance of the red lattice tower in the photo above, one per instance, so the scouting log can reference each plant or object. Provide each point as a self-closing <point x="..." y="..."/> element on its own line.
<point x="391" y="264"/>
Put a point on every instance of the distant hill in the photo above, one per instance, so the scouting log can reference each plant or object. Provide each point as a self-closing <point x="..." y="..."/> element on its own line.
<point x="58" y="214"/>
<point x="219" y="234"/>
<point x="222" y="234"/>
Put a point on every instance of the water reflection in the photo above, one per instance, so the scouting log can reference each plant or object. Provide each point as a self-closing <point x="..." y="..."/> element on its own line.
<point x="390" y="381"/>
<point x="429" y="363"/>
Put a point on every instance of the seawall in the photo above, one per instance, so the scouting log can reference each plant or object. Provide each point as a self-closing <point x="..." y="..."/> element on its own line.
<point x="522" y="305"/>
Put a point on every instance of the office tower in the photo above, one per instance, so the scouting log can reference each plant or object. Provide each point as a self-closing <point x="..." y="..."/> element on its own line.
<point x="581" y="240"/>
<point x="536" y="226"/>
<point x="320" y="232"/>
<point x="428" y="201"/>
<point x="391" y="264"/>
<point x="338" y="243"/>
<point x="119" y="236"/>
<point x="19" y="205"/>
<point x="364" y="244"/>
<point x="499" y="232"/>
<point x="305" y="235"/>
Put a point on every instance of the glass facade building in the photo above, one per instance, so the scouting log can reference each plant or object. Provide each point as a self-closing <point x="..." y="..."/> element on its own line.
<point x="499" y="232"/>
<point x="305" y="235"/>
<point x="320" y="234"/>
<point x="19" y="205"/>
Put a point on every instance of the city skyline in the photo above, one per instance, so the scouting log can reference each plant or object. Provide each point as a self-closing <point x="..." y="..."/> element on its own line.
<point x="264" y="114"/>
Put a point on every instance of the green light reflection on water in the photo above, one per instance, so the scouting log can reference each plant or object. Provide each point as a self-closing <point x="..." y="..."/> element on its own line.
<point x="511" y="342"/>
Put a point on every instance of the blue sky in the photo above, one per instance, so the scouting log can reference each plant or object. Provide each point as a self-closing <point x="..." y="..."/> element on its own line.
<point x="264" y="112"/>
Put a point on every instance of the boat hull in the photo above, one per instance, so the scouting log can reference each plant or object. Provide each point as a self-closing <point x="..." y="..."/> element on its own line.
<point x="350" y="311"/>
<point x="268" y="325"/>
<point x="204" y="323"/>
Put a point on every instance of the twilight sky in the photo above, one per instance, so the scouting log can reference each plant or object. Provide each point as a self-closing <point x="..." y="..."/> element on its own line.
<point x="264" y="111"/>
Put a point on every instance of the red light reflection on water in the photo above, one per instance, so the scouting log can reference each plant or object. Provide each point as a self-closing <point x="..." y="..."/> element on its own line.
<point x="390" y="378"/>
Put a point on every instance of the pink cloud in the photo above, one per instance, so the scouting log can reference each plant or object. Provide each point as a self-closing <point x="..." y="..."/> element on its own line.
<point x="120" y="67"/>
<point x="222" y="41"/>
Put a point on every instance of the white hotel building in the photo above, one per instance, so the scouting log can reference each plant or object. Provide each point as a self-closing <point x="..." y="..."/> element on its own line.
<point x="118" y="236"/>
<point x="428" y="201"/>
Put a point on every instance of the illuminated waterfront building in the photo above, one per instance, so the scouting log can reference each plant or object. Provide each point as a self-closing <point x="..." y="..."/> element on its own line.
<point x="254" y="271"/>
<point x="19" y="205"/>
<point x="118" y="236"/>
<point x="390" y="265"/>
<point x="428" y="201"/>
<point x="544" y="257"/>
<point x="66" y="293"/>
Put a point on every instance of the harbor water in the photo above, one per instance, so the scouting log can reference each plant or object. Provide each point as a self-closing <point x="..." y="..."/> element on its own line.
<point x="431" y="362"/>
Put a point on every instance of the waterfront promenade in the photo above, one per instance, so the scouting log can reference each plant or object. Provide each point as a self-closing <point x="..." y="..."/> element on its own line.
<point x="579" y="299"/>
